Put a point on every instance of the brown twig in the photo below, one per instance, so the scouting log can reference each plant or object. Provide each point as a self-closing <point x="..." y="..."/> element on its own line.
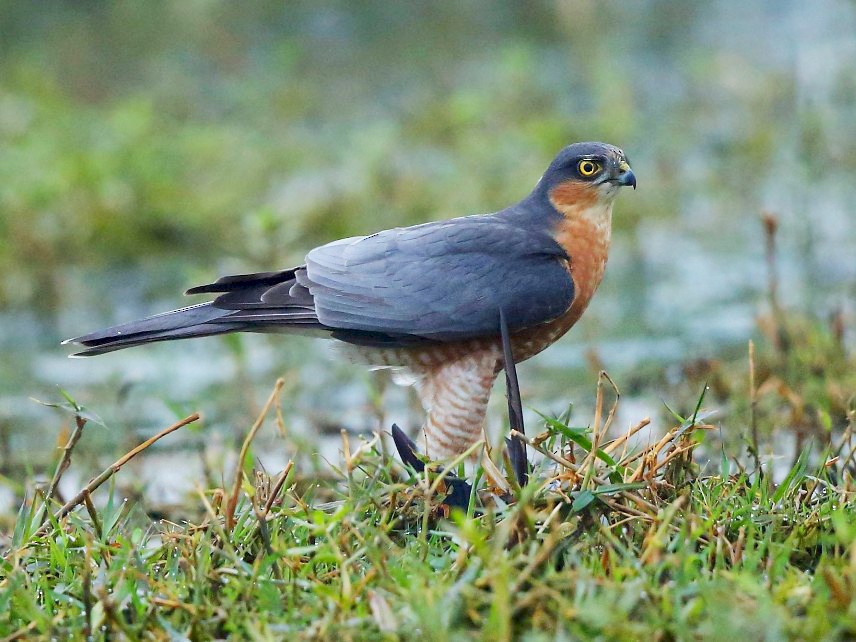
<point x="277" y="487"/>
<point x="93" y="514"/>
<point x="599" y="431"/>
<point x="771" y="227"/>
<point x="608" y="448"/>
<point x="111" y="470"/>
<point x="753" y="408"/>
<point x="628" y="510"/>
<point x="650" y="450"/>
<point x="589" y="460"/>
<point x="62" y="466"/>
<point x="232" y="503"/>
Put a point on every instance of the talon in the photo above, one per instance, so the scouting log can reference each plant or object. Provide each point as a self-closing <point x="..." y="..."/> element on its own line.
<point x="458" y="491"/>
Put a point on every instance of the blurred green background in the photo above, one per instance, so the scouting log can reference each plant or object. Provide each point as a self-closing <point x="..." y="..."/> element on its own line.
<point x="148" y="147"/>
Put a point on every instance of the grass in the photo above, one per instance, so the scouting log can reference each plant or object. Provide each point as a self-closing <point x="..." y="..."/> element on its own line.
<point x="606" y="541"/>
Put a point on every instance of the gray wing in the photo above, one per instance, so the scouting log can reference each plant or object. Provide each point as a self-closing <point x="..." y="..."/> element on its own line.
<point x="434" y="282"/>
<point x="439" y="281"/>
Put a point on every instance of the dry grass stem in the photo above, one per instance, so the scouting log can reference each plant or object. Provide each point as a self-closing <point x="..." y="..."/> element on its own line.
<point x="111" y="470"/>
<point x="623" y="439"/>
<point x="232" y="502"/>
<point x="65" y="461"/>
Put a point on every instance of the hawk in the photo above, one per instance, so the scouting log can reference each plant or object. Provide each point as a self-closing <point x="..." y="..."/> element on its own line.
<point x="428" y="297"/>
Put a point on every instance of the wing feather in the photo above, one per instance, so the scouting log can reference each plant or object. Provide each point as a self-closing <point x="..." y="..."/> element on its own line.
<point x="441" y="281"/>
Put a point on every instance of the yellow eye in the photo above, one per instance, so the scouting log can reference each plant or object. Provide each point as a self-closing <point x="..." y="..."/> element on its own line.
<point x="588" y="168"/>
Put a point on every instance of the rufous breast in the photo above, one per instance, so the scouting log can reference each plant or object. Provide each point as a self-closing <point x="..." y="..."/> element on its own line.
<point x="584" y="233"/>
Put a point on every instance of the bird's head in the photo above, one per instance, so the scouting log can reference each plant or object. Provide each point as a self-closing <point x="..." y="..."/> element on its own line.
<point x="585" y="175"/>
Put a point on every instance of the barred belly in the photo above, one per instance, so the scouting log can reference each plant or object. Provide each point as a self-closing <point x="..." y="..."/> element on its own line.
<point x="454" y="382"/>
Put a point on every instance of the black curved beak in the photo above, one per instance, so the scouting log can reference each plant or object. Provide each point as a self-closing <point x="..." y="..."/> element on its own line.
<point x="627" y="177"/>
